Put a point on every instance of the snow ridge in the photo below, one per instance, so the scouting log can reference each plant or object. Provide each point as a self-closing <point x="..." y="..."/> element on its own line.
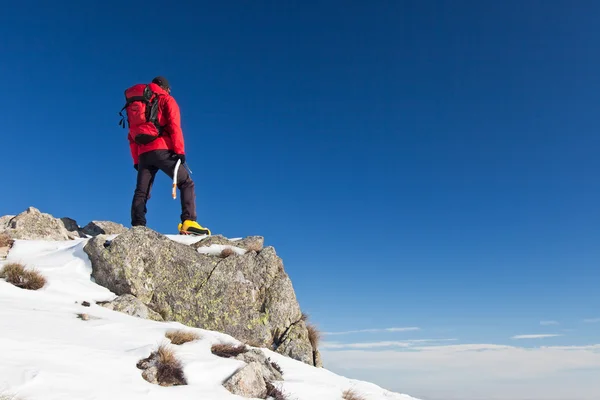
<point x="49" y="353"/>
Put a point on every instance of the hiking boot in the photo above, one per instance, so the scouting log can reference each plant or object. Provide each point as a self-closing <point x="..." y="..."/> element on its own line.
<point x="192" y="228"/>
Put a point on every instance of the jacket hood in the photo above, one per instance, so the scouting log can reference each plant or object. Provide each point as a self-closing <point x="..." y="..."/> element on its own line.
<point x="158" y="89"/>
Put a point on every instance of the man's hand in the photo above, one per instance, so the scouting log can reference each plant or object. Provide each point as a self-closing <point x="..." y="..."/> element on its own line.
<point x="179" y="157"/>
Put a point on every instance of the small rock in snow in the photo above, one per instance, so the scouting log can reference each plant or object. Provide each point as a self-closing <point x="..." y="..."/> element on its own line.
<point x="248" y="382"/>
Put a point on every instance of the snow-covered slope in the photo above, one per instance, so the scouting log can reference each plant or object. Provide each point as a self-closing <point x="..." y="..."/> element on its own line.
<point x="47" y="352"/>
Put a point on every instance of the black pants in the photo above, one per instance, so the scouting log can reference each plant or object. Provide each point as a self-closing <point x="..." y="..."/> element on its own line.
<point x="149" y="164"/>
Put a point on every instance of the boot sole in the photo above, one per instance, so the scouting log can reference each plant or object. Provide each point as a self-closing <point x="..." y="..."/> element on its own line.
<point x="202" y="233"/>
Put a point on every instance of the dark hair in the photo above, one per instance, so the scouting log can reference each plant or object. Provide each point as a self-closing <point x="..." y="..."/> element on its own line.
<point x="162" y="82"/>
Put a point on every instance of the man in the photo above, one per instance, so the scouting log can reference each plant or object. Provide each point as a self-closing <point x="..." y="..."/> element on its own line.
<point x="162" y="153"/>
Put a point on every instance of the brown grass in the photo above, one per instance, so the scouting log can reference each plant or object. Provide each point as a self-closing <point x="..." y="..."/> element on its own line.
<point x="351" y="394"/>
<point x="228" y="350"/>
<point x="181" y="336"/>
<point x="304" y="316"/>
<point x="314" y="335"/>
<point x="275" y="366"/>
<point x="25" y="279"/>
<point x="5" y="240"/>
<point x="275" y="393"/>
<point x="226" y="252"/>
<point x="170" y="371"/>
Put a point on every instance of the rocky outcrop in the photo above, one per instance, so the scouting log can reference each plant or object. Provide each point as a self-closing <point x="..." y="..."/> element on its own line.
<point x="131" y="305"/>
<point x="96" y="228"/>
<point x="245" y="293"/>
<point x="249" y="296"/>
<point x="32" y="224"/>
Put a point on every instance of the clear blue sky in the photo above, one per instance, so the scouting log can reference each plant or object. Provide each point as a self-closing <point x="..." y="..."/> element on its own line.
<point x="428" y="164"/>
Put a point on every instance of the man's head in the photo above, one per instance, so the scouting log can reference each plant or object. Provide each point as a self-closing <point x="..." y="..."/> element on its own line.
<point x="163" y="83"/>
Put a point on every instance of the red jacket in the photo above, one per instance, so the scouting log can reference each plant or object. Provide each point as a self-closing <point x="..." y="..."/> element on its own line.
<point x="170" y="119"/>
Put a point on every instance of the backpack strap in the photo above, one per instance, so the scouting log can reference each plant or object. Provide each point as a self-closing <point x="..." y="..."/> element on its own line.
<point x="152" y="108"/>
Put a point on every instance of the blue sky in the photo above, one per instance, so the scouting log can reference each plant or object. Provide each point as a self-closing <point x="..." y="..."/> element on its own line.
<point x="430" y="165"/>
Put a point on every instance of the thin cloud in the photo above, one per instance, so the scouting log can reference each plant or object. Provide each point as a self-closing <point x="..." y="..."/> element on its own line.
<point x="591" y="320"/>
<point x="373" y="345"/>
<point x="546" y="323"/>
<point x="502" y="371"/>
<point x="536" y="336"/>
<point x="408" y="329"/>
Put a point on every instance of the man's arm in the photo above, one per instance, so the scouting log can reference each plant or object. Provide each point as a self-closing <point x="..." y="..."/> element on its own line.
<point x="173" y="126"/>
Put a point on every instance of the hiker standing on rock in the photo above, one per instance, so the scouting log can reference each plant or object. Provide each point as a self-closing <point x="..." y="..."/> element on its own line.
<point x="156" y="143"/>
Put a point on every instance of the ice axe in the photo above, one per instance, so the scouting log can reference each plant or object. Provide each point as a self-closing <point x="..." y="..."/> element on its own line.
<point x="175" y="179"/>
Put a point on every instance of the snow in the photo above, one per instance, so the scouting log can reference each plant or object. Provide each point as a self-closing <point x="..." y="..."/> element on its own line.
<point x="48" y="353"/>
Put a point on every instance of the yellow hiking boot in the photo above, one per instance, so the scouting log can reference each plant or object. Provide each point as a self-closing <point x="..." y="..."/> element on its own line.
<point x="192" y="228"/>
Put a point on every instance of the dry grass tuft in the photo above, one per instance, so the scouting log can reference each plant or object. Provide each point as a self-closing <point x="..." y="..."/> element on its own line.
<point x="181" y="336"/>
<point x="226" y="252"/>
<point x="275" y="366"/>
<point x="314" y="335"/>
<point x="25" y="279"/>
<point x="351" y="394"/>
<point x="170" y="371"/>
<point x="5" y="240"/>
<point x="275" y="393"/>
<point x="304" y="317"/>
<point x="228" y="350"/>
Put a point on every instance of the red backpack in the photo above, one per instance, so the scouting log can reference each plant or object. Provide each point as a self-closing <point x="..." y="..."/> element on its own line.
<point x="142" y="113"/>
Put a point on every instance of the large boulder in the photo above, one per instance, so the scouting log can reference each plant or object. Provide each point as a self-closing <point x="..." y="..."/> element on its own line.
<point x="249" y="296"/>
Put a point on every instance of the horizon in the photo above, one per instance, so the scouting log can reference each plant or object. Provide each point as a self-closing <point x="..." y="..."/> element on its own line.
<point x="425" y="171"/>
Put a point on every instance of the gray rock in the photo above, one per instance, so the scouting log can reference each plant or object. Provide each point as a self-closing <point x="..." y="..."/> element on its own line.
<point x="250" y="243"/>
<point x="4" y="222"/>
<point x="268" y="372"/>
<point x="96" y="228"/>
<point x="318" y="359"/>
<point x="295" y="343"/>
<point x="74" y="232"/>
<point x="130" y="305"/>
<point x="249" y="297"/>
<point x="32" y="224"/>
<point x="248" y="382"/>
<point x="151" y="375"/>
